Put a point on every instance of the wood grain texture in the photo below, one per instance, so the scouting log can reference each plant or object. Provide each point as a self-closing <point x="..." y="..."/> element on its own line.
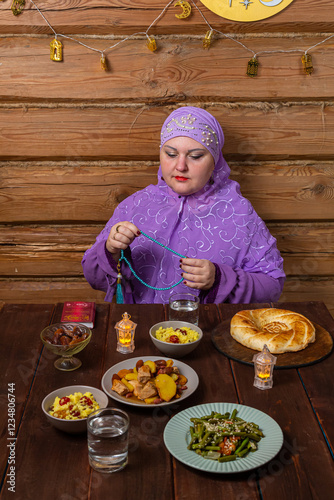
<point x="59" y="261"/>
<point x="127" y="17"/>
<point x="20" y="340"/>
<point x="291" y="402"/>
<point x="301" y="238"/>
<point x="180" y="70"/>
<point x="33" y="290"/>
<point x="39" y="432"/>
<point x="89" y="193"/>
<point x="56" y="251"/>
<point x="301" y="289"/>
<point x="77" y="140"/>
<point x="286" y="131"/>
<point x="311" y="452"/>
<point x="307" y="237"/>
<point x="320" y="393"/>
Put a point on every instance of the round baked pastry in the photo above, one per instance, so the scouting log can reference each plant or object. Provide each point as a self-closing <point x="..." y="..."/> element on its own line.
<point x="281" y="330"/>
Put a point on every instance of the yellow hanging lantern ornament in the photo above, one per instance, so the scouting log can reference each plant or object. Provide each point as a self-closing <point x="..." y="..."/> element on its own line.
<point x="186" y="9"/>
<point x="56" y="50"/>
<point x="252" y="67"/>
<point x="17" y="6"/>
<point x="208" y="39"/>
<point x="104" y="62"/>
<point x="307" y="64"/>
<point x="151" y="43"/>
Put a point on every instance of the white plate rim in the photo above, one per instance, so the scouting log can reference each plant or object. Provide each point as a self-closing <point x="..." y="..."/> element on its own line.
<point x="185" y="369"/>
<point x="177" y="430"/>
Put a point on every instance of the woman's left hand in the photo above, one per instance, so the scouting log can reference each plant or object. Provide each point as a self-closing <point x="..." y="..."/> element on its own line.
<point x="198" y="273"/>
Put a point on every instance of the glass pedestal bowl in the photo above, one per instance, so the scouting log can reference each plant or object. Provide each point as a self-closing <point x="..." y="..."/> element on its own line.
<point x="76" y="334"/>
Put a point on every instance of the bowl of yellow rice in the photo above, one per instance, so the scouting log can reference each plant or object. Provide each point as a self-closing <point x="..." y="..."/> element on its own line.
<point x="175" y="338"/>
<point x="67" y="408"/>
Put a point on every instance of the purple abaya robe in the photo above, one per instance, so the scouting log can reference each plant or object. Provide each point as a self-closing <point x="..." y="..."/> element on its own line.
<point x="216" y="223"/>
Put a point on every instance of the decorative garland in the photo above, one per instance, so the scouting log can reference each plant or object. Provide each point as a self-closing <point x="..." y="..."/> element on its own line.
<point x="56" y="47"/>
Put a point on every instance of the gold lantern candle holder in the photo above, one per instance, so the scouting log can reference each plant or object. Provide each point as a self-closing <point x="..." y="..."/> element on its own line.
<point x="56" y="50"/>
<point x="264" y="367"/>
<point x="125" y="330"/>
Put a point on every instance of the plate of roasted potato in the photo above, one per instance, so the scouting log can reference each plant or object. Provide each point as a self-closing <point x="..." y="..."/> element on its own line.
<point x="149" y="381"/>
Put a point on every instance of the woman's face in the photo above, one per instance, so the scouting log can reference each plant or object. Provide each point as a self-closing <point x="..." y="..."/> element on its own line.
<point x="186" y="165"/>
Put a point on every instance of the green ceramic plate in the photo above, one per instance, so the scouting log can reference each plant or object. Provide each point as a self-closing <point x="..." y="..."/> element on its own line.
<point x="177" y="437"/>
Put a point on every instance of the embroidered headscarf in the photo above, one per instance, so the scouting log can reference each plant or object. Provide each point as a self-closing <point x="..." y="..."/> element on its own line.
<point x="197" y="124"/>
<point x="201" y="126"/>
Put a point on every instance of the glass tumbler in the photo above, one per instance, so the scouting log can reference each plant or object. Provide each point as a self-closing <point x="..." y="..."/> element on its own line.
<point x="184" y="307"/>
<point x="107" y="434"/>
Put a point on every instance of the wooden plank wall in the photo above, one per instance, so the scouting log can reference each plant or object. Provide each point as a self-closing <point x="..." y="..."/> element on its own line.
<point x="76" y="140"/>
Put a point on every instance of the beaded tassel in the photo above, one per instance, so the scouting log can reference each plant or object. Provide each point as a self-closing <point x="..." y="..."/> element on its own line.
<point x="119" y="292"/>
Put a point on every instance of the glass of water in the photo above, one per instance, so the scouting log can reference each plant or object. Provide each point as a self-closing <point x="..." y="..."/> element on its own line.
<point x="107" y="434"/>
<point x="183" y="307"/>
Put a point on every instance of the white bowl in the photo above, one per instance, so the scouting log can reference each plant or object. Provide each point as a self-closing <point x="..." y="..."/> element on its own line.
<point x="72" y="426"/>
<point x="175" y="350"/>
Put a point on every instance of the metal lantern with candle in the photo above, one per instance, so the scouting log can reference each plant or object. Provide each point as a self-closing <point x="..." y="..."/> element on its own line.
<point x="125" y="330"/>
<point x="264" y="366"/>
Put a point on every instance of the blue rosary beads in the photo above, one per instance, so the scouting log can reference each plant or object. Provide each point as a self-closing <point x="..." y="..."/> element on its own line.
<point x="163" y="246"/>
<point x="119" y="294"/>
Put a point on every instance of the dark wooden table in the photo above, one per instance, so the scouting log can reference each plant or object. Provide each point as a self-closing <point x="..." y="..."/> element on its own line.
<point x="45" y="463"/>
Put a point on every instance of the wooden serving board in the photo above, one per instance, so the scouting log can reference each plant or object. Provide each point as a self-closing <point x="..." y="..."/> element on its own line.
<point x="313" y="353"/>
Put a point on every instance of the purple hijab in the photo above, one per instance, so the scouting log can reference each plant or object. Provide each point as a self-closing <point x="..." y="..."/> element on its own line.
<point x="216" y="223"/>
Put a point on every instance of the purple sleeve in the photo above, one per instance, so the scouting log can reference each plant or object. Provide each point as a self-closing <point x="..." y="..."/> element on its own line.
<point x="241" y="287"/>
<point x="100" y="270"/>
<point x="209" y="296"/>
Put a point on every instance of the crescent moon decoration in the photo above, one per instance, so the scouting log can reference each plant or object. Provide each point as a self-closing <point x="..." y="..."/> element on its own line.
<point x="273" y="3"/>
<point x="17" y="6"/>
<point x="186" y="9"/>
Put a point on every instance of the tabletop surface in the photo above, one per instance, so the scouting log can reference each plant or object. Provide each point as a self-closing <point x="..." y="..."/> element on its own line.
<point x="42" y="462"/>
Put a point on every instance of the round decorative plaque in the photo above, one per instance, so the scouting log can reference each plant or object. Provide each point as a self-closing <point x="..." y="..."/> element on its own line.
<point x="246" y="10"/>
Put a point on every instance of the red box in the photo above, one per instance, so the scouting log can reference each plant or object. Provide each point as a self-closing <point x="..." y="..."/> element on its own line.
<point x="79" y="312"/>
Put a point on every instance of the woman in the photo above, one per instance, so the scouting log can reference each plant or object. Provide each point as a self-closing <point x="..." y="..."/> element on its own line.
<point x="224" y="251"/>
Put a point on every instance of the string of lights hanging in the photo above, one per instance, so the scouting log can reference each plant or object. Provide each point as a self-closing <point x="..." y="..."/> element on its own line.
<point x="56" y="46"/>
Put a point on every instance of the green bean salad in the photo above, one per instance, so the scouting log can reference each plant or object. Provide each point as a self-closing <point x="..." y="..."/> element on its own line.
<point x="223" y="437"/>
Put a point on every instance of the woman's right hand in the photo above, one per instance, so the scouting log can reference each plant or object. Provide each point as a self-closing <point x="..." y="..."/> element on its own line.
<point x="120" y="237"/>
